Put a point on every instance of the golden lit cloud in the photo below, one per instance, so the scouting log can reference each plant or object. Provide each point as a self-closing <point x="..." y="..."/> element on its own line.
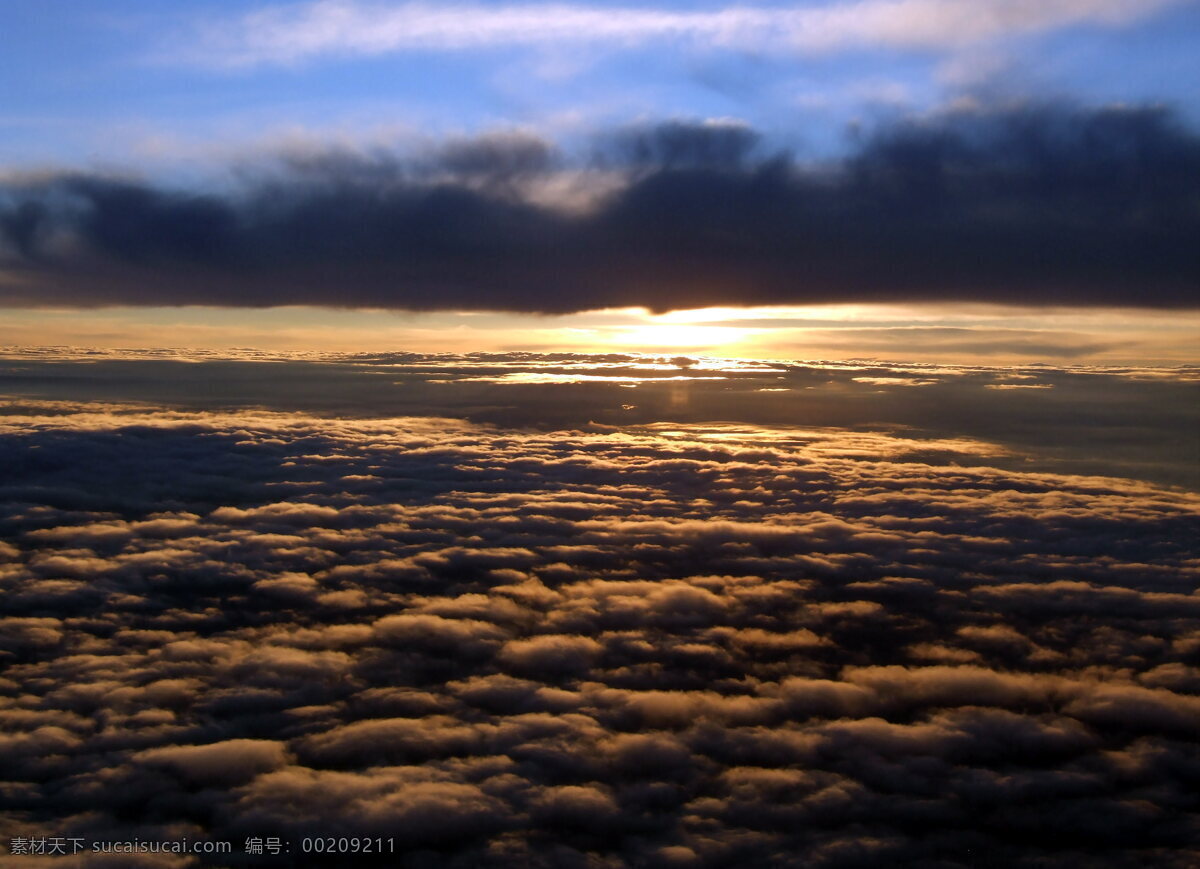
<point x="959" y="334"/>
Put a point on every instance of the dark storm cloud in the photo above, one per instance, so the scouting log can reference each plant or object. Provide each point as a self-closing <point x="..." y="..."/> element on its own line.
<point x="690" y="645"/>
<point x="1034" y="205"/>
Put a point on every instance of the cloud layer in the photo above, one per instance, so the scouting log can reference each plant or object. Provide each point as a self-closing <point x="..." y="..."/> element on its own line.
<point x="1134" y="422"/>
<point x="681" y="645"/>
<point x="1035" y="205"/>
<point x="289" y="34"/>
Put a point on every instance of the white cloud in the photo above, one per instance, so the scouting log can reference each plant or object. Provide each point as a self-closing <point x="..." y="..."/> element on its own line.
<point x="294" y="33"/>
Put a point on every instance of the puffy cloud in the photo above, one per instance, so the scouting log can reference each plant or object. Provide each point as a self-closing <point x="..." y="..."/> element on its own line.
<point x="231" y="762"/>
<point x="551" y="653"/>
<point x="696" y="645"/>
<point x="425" y="808"/>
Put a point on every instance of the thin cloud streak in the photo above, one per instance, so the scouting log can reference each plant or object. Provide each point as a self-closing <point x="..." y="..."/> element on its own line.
<point x="297" y="33"/>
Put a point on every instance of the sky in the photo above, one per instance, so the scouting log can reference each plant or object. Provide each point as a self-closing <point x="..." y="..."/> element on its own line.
<point x="130" y="82"/>
<point x="564" y="176"/>
<point x="600" y="436"/>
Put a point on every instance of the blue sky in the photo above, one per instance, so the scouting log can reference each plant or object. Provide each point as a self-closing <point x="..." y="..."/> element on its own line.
<point x="129" y="82"/>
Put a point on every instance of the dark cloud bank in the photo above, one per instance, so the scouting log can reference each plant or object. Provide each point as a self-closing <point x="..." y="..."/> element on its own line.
<point x="1035" y="205"/>
<point x="665" y="644"/>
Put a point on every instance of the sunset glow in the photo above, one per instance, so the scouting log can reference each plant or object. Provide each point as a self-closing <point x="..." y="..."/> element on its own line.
<point x="889" y="332"/>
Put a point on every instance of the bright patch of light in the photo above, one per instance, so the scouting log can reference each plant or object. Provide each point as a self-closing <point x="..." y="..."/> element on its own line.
<point x="659" y="335"/>
<point x="540" y="377"/>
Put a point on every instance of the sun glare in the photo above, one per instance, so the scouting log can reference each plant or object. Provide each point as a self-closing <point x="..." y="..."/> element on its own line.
<point x="659" y="335"/>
